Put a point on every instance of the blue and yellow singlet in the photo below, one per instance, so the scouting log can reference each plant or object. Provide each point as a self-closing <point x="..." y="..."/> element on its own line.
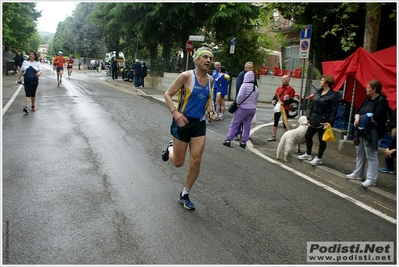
<point x="192" y="101"/>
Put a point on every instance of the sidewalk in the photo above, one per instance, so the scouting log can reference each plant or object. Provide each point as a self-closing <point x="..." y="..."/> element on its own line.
<point x="336" y="164"/>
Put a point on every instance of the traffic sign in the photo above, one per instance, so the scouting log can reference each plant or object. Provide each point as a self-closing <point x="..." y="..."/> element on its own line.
<point x="232" y="45"/>
<point x="306" y="33"/>
<point x="199" y="38"/>
<point x="304" y="48"/>
<point x="189" y="46"/>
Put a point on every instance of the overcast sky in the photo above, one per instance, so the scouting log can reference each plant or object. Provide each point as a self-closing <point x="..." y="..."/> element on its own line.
<point x="52" y="13"/>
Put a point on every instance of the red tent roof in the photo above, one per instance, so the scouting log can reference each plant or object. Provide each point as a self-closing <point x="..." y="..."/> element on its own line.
<point x="365" y="67"/>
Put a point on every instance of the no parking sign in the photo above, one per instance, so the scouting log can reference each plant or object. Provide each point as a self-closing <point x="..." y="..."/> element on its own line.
<point x="304" y="47"/>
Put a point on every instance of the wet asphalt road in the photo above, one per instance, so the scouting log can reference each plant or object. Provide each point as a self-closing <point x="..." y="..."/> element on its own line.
<point x="84" y="183"/>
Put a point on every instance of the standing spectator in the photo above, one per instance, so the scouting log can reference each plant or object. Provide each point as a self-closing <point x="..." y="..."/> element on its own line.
<point x="322" y="110"/>
<point x="215" y="74"/>
<point x="223" y="81"/>
<point x="70" y="65"/>
<point x="31" y="69"/>
<point x="81" y="62"/>
<point x="114" y="67"/>
<point x="188" y="125"/>
<point x="137" y="73"/>
<point x="283" y="95"/>
<point x="143" y="73"/>
<point x="247" y="99"/>
<point x="370" y="118"/>
<point x="390" y="154"/>
<point x="249" y="66"/>
<point x="20" y="60"/>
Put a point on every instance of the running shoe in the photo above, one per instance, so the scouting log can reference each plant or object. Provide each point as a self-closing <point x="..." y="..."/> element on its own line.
<point x="26" y="110"/>
<point x="386" y="170"/>
<point x="316" y="161"/>
<point x="305" y="156"/>
<point x="353" y="176"/>
<point x="368" y="183"/>
<point x="185" y="201"/>
<point x="33" y="108"/>
<point x="165" y="151"/>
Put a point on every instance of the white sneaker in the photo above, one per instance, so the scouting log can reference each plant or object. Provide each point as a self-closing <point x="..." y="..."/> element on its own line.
<point x="305" y="156"/>
<point x="316" y="161"/>
<point x="352" y="176"/>
<point x="368" y="183"/>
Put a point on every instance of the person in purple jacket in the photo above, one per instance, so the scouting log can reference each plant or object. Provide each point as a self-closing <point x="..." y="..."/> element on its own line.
<point x="247" y="99"/>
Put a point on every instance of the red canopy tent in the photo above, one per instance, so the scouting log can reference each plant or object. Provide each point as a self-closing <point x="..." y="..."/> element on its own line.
<point x="364" y="67"/>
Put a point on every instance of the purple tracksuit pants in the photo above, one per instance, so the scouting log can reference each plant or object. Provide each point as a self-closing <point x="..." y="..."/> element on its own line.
<point x="241" y="116"/>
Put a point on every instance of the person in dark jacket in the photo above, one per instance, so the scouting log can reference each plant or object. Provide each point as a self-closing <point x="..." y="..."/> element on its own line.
<point x="115" y="68"/>
<point x="143" y="73"/>
<point x="137" y="73"/>
<point x="323" y="110"/>
<point x="20" y="60"/>
<point x="374" y="108"/>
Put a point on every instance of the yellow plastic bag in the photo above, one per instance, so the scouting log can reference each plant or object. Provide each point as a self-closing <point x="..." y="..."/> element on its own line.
<point x="284" y="116"/>
<point x="328" y="135"/>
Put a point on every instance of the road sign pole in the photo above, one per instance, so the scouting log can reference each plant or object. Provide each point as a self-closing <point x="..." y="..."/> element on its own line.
<point x="300" y="95"/>
<point x="188" y="54"/>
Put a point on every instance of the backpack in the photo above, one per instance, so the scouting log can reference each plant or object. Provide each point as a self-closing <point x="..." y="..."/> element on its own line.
<point x="30" y="76"/>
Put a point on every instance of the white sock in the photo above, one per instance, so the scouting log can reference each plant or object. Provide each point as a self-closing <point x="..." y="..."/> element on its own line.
<point x="185" y="192"/>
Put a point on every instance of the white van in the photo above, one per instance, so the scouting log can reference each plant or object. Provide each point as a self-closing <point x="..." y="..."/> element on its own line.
<point x="121" y="59"/>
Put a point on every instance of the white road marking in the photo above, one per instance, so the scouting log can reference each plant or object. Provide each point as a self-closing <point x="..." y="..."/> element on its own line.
<point x="326" y="187"/>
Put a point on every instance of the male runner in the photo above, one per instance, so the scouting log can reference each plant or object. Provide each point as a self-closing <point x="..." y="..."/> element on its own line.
<point x="188" y="125"/>
<point x="59" y="62"/>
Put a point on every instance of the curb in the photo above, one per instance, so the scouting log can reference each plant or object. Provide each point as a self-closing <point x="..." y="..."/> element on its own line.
<point x="340" y="179"/>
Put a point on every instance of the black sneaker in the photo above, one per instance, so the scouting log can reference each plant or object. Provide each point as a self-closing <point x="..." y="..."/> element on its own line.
<point x="227" y="143"/>
<point x="26" y="110"/>
<point x="165" y="151"/>
<point x="185" y="201"/>
<point x="243" y="145"/>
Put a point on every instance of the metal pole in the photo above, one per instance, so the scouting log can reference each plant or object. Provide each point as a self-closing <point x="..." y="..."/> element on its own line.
<point x="300" y="95"/>
<point x="187" y="60"/>
<point x="231" y="66"/>
<point x="350" y="112"/>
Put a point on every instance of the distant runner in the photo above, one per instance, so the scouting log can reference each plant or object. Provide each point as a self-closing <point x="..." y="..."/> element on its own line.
<point x="69" y="65"/>
<point x="59" y="61"/>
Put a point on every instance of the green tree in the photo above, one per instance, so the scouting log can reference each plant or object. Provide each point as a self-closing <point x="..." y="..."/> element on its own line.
<point x="19" y="26"/>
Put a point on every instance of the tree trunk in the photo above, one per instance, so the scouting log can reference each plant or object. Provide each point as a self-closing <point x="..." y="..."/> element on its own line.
<point x="372" y="27"/>
<point x="153" y="58"/>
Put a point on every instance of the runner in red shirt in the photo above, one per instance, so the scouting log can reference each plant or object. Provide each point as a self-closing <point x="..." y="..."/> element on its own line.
<point x="59" y="62"/>
<point x="69" y="65"/>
